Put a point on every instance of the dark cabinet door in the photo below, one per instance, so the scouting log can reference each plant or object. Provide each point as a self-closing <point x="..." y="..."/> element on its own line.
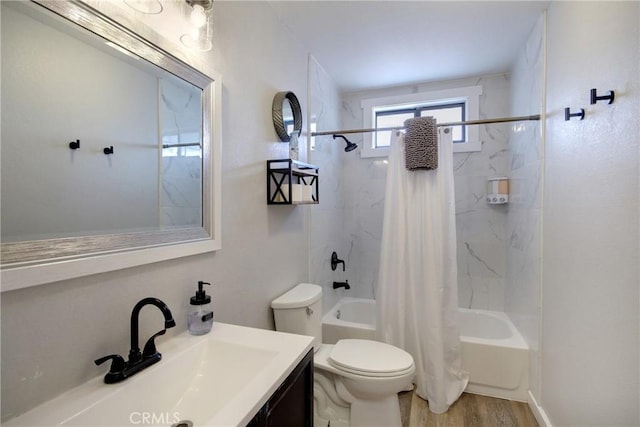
<point x="291" y="405"/>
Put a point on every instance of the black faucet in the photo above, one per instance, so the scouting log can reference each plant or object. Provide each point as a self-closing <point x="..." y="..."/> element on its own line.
<point x="344" y="284"/>
<point x="121" y="370"/>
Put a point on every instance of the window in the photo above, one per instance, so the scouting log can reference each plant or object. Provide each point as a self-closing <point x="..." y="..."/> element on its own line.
<point x="446" y="106"/>
<point x="446" y="113"/>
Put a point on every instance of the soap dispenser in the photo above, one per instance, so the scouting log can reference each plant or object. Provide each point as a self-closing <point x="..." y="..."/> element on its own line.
<point x="200" y="313"/>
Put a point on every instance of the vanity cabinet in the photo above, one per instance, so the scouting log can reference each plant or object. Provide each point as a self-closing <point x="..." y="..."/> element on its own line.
<point x="291" y="182"/>
<point x="291" y="405"/>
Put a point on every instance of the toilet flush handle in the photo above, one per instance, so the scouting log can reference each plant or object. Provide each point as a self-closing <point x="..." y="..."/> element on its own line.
<point x="309" y="311"/>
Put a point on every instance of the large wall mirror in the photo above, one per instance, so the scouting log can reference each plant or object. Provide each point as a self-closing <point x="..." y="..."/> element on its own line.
<point x="109" y="148"/>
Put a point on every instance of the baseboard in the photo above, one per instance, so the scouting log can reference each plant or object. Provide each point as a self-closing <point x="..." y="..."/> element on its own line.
<point x="538" y="412"/>
<point x="517" y="395"/>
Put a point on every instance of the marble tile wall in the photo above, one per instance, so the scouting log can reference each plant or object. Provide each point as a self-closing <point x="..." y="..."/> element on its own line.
<point x="524" y="227"/>
<point x="481" y="228"/>
<point x="326" y="218"/>
<point x="181" y="175"/>
<point x="181" y="190"/>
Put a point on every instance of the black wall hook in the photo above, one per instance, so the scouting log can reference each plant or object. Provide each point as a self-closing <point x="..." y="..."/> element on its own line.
<point x="595" y="98"/>
<point x="108" y="150"/>
<point x="568" y="114"/>
<point x="74" y="145"/>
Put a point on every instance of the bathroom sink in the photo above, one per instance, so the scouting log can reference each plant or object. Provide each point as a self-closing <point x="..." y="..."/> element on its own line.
<point x="219" y="379"/>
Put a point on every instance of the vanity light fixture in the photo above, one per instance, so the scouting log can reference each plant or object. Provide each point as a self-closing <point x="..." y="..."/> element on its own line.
<point x="199" y="38"/>
<point x="198" y="16"/>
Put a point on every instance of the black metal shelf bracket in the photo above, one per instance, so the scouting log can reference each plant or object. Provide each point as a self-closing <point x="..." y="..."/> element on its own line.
<point x="288" y="172"/>
<point x="568" y="114"/>
<point x="595" y="98"/>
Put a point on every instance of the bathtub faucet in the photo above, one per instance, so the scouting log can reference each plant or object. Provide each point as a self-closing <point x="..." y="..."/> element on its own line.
<point x="335" y="261"/>
<point x="345" y="284"/>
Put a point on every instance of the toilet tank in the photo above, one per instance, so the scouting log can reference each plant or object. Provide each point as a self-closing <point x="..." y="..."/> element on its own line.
<point x="299" y="311"/>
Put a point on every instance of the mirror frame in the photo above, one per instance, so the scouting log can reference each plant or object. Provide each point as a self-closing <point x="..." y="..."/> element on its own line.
<point x="278" y="117"/>
<point x="37" y="262"/>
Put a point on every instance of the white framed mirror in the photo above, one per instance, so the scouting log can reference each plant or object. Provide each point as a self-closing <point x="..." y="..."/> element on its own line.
<point x="110" y="148"/>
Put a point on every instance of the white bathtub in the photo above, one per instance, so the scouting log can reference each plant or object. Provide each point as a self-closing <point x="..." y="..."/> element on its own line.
<point x="350" y="318"/>
<point x="493" y="351"/>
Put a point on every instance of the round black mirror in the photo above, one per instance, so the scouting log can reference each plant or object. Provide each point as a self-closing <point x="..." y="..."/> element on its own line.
<point x="287" y="115"/>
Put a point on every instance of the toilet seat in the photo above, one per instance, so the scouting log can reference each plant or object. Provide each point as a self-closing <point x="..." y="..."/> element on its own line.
<point x="370" y="358"/>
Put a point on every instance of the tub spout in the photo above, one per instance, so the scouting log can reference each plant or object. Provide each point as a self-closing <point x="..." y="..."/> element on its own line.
<point x="345" y="284"/>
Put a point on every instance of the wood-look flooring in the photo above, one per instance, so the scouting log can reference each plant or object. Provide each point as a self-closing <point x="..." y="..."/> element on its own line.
<point x="470" y="410"/>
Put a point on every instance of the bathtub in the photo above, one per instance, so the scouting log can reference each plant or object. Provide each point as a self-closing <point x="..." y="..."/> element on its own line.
<point x="350" y="318"/>
<point x="493" y="351"/>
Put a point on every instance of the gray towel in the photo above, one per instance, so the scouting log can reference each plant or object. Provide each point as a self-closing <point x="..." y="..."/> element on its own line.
<point x="421" y="143"/>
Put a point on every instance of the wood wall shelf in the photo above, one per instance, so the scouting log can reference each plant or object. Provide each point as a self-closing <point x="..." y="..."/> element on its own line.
<point x="291" y="182"/>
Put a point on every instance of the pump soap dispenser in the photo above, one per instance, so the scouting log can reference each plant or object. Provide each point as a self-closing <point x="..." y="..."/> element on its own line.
<point x="200" y="313"/>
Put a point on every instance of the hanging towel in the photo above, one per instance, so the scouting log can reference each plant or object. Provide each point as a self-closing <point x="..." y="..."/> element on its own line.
<point x="421" y="142"/>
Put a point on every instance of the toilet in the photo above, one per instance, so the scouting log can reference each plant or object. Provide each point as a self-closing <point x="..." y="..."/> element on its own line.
<point x="356" y="382"/>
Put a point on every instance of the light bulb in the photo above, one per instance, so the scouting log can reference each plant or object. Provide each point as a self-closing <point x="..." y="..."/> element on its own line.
<point x="198" y="16"/>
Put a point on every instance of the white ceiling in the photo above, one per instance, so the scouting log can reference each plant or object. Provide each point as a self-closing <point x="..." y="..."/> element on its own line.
<point x="372" y="44"/>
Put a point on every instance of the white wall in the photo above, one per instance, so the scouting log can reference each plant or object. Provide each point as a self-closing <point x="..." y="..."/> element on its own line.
<point x="590" y="325"/>
<point x="481" y="228"/>
<point x="524" y="214"/>
<point x="52" y="333"/>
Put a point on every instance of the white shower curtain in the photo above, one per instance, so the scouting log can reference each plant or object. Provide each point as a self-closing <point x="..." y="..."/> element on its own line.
<point x="417" y="295"/>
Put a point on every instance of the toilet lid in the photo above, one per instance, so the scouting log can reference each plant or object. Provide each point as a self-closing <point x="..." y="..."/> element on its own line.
<point x="369" y="357"/>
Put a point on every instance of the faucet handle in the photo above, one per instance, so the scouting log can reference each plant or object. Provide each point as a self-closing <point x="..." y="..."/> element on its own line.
<point x="335" y="261"/>
<point x="117" y="365"/>
<point x="150" y="346"/>
<point x="116" y="372"/>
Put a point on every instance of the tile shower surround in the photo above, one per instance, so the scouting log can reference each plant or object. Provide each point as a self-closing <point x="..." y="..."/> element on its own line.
<point x="481" y="228"/>
<point x="524" y="225"/>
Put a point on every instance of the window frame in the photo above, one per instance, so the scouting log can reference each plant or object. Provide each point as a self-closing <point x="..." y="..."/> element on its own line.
<point x="469" y="95"/>
<point x="417" y="112"/>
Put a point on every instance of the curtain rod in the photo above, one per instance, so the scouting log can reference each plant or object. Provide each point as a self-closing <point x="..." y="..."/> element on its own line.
<point x="190" y="144"/>
<point x="468" y="122"/>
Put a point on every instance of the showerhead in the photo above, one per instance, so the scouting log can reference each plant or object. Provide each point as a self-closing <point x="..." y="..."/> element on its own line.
<point x="350" y="145"/>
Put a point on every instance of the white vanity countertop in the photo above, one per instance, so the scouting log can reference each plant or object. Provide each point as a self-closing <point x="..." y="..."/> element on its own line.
<point x="219" y="379"/>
